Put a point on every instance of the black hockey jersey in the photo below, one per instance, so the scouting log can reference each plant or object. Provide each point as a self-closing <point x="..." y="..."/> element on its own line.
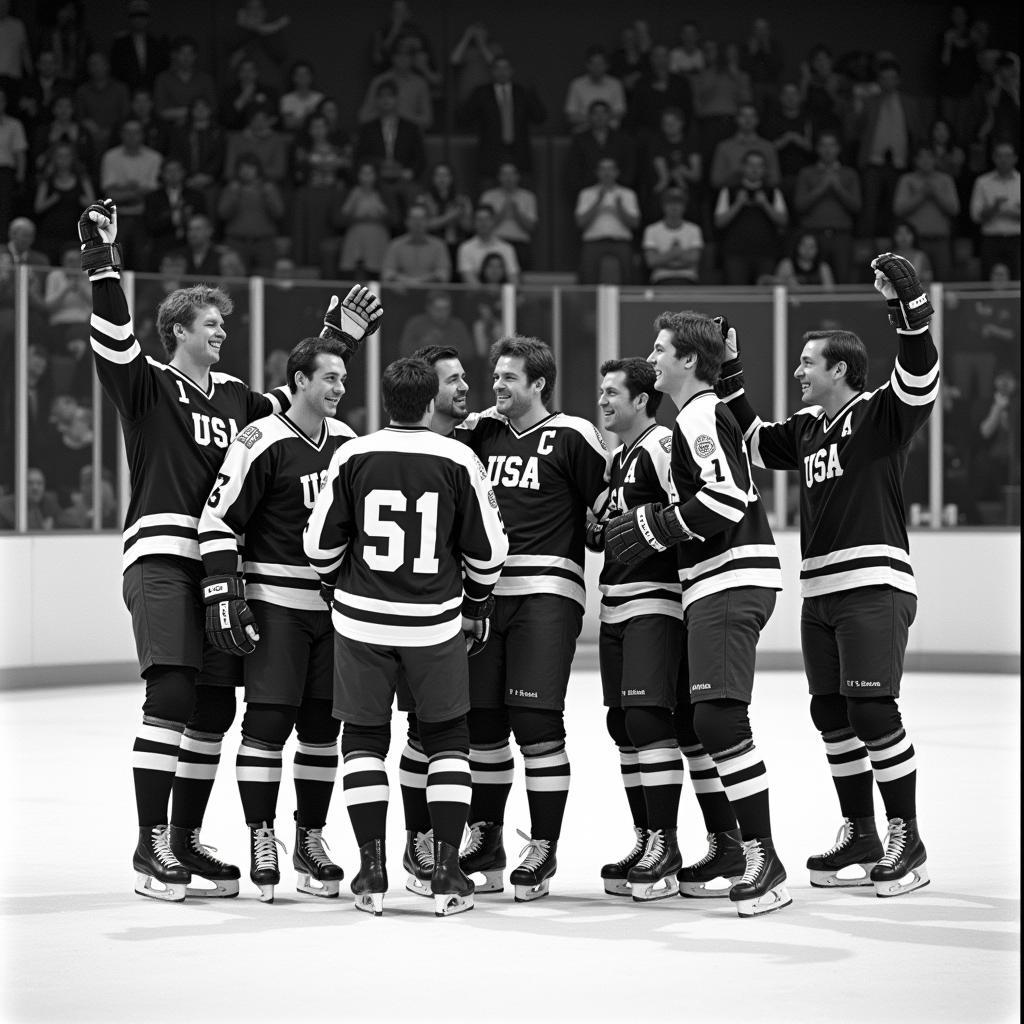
<point x="265" y="489"/>
<point x="719" y="505"/>
<point x="545" y="479"/>
<point x="852" y="518"/>
<point x="403" y="514"/>
<point x="638" y="474"/>
<point x="175" y="432"/>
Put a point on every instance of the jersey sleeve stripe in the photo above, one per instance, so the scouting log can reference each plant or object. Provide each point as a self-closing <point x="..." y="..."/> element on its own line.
<point x="113" y="355"/>
<point x="722" y="504"/>
<point x="911" y="380"/>
<point x="115" y="332"/>
<point x="910" y="397"/>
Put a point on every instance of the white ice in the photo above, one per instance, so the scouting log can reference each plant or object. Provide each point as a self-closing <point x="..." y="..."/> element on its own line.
<point x="79" y="945"/>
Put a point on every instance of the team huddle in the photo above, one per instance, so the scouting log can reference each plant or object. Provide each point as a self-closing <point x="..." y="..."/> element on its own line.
<point x="441" y="560"/>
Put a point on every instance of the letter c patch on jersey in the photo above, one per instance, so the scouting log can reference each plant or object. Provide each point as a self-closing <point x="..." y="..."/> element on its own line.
<point x="704" y="446"/>
<point x="250" y="436"/>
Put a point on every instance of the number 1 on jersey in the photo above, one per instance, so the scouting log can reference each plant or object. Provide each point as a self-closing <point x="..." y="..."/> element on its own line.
<point x="392" y="557"/>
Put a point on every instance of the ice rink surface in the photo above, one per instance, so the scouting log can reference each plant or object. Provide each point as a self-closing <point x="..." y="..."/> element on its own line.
<point x="79" y="945"/>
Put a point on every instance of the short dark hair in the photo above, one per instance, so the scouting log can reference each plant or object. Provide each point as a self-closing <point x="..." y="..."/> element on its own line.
<point x="843" y="347"/>
<point x="433" y="354"/>
<point x="538" y="360"/>
<point x="302" y="358"/>
<point x="182" y="306"/>
<point x="639" y="377"/>
<point x="408" y="386"/>
<point x="695" y="334"/>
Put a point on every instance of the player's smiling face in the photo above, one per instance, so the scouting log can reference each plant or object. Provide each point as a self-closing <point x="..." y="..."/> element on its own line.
<point x="619" y="412"/>
<point x="452" y="389"/>
<point x="817" y="382"/>
<point x="514" y="395"/>
<point x="326" y="387"/>
<point x="202" y="342"/>
<point x="669" y="371"/>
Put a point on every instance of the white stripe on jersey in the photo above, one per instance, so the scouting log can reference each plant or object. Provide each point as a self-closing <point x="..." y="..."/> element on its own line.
<point x="286" y="597"/>
<point x="162" y="543"/>
<point x="853" y="579"/>
<point x="115" y="355"/>
<point x="914" y="381"/>
<point x="544" y="560"/>
<point x="295" y="572"/>
<point x="642" y="600"/>
<point x="389" y="635"/>
<point x="540" y="582"/>
<point x="907" y="398"/>
<point x="117" y="332"/>
<point x="847" y="554"/>
<point x="707" y="498"/>
<point x="711" y="576"/>
<point x="374" y="604"/>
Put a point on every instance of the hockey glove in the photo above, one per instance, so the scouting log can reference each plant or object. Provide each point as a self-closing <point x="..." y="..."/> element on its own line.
<point x="97" y="231"/>
<point x="644" y="531"/>
<point x="327" y="594"/>
<point x="230" y="625"/>
<point x="909" y="306"/>
<point x="352" y="319"/>
<point x="594" y="537"/>
<point x="476" y="623"/>
<point x="730" y="377"/>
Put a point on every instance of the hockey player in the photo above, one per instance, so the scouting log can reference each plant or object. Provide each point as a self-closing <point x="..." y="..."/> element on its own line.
<point x="407" y="530"/>
<point x="177" y="418"/>
<point x="850" y="447"/>
<point x="265" y="489"/>
<point x="729" y="571"/>
<point x="546" y="469"/>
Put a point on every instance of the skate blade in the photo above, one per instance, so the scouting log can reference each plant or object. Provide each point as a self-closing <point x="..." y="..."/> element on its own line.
<point x="526" y="893"/>
<point x="915" y="879"/>
<point x="617" y="887"/>
<point x="449" y="904"/>
<point x="708" y="890"/>
<point x="772" y="900"/>
<point x="371" y="903"/>
<point x="313" y="887"/>
<point x="266" y="893"/>
<point x="417" y="886"/>
<point x="494" y="881"/>
<point x="172" y="892"/>
<point x="649" y="892"/>
<point x="223" y="889"/>
<point x="836" y="879"/>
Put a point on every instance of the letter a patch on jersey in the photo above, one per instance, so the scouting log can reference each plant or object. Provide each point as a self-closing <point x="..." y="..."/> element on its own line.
<point x="847" y="428"/>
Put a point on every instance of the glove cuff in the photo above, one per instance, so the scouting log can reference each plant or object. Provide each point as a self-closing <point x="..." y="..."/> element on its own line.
<point x="350" y="346"/>
<point x="478" y="609"/>
<point x="223" y="588"/>
<point x="730" y="380"/>
<point x="97" y="256"/>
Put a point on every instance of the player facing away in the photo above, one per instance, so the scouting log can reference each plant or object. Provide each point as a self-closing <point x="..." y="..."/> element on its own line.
<point x="850" y="448"/>
<point x="265" y="490"/>
<point x="546" y="469"/>
<point x="640" y="637"/>
<point x="729" y="571"/>
<point x="406" y="529"/>
<point x="177" y="419"/>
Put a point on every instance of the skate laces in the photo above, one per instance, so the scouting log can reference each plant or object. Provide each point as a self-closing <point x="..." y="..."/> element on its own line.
<point x="754" y="853"/>
<point x="203" y="850"/>
<point x="162" y="847"/>
<point x="314" y="844"/>
<point x="843" y="838"/>
<point x="712" y="851"/>
<point x="639" y="846"/>
<point x="895" y="842"/>
<point x="536" y="851"/>
<point x="423" y="848"/>
<point x="264" y="851"/>
<point x="655" y="849"/>
<point x="476" y="838"/>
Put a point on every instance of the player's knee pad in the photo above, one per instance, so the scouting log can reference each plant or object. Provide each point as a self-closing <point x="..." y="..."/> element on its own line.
<point x="214" y="710"/>
<point x="873" y="718"/>
<point x="828" y="712"/>
<point x="488" y="727"/>
<point x="439" y="737"/>
<point x="315" y="724"/>
<point x="721" y="725"/>
<point x="368" y="739"/>
<point x="682" y="719"/>
<point x="650" y="727"/>
<point x="414" y="732"/>
<point x="170" y="694"/>
<point x="537" y="731"/>
<point x="268" y="723"/>
<point x="616" y="722"/>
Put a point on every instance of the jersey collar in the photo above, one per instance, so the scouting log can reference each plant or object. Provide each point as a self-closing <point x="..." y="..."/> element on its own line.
<point x="529" y="430"/>
<point x="317" y="445"/>
<point x="188" y="380"/>
<point x="839" y="415"/>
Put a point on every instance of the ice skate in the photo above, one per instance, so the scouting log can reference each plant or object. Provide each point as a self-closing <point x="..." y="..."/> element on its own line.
<point x="615" y="875"/>
<point x="724" y="862"/>
<point x="198" y="859"/>
<point x="533" y="876"/>
<point x="653" y="877"/>
<point x="264" y="870"/>
<point x="857" y="850"/>
<point x="762" y="888"/>
<point x="418" y="861"/>
<point x="902" y="868"/>
<point x="371" y="882"/>
<point x="452" y="890"/>
<point x="155" y="863"/>
<point x="484" y="854"/>
<point x="318" y="874"/>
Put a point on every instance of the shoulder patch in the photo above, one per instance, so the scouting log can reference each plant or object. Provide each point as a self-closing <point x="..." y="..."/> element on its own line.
<point x="666" y="443"/>
<point x="600" y="439"/>
<point x="249" y="436"/>
<point x="704" y="446"/>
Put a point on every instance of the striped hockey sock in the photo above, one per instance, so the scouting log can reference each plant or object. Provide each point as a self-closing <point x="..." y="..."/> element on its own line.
<point x="709" y="791"/>
<point x="745" y="779"/>
<point x="366" y="795"/>
<point x="449" y="790"/>
<point x="193" y="778"/>
<point x="492" y="769"/>
<point x="314" y="770"/>
<point x="851" y="773"/>
<point x="154" y="760"/>
<point x="547" y="790"/>
<point x="895" y="767"/>
<point x="661" y="775"/>
<point x="412" y="777"/>
<point x="258" y="771"/>
<point x="629" y="765"/>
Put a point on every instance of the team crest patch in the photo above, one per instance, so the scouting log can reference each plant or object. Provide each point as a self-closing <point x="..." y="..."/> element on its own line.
<point x="600" y="439"/>
<point x="492" y="499"/>
<point x="249" y="436"/>
<point x="704" y="446"/>
<point x="666" y="443"/>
